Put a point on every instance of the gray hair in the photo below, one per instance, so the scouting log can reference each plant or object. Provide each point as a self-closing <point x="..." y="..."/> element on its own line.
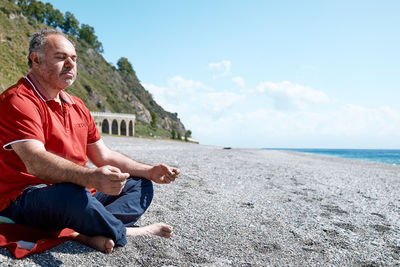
<point x="38" y="40"/>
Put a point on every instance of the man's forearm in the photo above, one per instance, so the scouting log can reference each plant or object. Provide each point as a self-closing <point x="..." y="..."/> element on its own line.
<point x="55" y="169"/>
<point x="50" y="167"/>
<point x="126" y="164"/>
<point x="101" y="155"/>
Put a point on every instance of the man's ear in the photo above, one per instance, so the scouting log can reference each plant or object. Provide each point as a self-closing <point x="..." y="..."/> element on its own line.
<point x="35" y="57"/>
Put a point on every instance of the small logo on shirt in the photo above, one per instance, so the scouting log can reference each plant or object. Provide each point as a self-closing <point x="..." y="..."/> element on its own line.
<point x="80" y="125"/>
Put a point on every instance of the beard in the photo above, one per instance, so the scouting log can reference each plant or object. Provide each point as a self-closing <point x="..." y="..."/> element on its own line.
<point x="69" y="80"/>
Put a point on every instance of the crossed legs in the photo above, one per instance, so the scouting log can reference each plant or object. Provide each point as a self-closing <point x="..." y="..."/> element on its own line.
<point x="133" y="201"/>
<point x="101" y="222"/>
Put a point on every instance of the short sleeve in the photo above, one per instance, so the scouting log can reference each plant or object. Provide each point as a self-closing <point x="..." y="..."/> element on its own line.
<point x="20" y="120"/>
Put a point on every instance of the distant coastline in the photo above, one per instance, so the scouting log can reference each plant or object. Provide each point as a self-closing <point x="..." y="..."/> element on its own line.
<point x="388" y="156"/>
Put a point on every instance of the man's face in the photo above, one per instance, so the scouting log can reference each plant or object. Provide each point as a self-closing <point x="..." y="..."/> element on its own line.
<point x="58" y="63"/>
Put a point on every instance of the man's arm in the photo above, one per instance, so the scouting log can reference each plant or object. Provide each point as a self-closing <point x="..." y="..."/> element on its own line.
<point x="101" y="155"/>
<point x="54" y="169"/>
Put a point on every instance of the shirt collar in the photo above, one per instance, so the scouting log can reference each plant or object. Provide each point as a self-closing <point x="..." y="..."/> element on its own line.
<point x="39" y="91"/>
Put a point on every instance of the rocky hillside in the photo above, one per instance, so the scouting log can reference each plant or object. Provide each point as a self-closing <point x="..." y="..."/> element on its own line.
<point x="102" y="86"/>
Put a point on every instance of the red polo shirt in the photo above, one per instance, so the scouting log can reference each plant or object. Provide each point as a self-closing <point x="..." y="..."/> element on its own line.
<point x="26" y="114"/>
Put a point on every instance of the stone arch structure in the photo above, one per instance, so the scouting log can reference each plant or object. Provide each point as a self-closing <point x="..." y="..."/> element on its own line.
<point x="115" y="123"/>
<point x="122" y="128"/>
<point x="114" y="127"/>
<point x="131" y="131"/>
<point x="105" y="126"/>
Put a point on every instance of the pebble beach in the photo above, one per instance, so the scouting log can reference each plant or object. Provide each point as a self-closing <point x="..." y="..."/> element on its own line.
<point x="253" y="207"/>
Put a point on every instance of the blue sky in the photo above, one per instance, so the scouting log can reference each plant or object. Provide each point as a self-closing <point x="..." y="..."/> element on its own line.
<point x="262" y="73"/>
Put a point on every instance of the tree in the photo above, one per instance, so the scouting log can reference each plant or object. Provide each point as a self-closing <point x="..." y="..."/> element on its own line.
<point x="124" y="65"/>
<point x="53" y="16"/>
<point x="188" y="134"/>
<point x="35" y="9"/>
<point x="173" y="133"/>
<point x="70" y="24"/>
<point x="154" y="120"/>
<point x="98" y="46"/>
<point x="23" y="4"/>
<point x="86" y="33"/>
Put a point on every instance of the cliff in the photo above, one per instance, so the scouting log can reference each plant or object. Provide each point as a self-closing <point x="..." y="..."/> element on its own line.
<point x="102" y="86"/>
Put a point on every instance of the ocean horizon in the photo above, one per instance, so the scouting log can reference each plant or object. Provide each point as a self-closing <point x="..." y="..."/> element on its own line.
<point x="388" y="156"/>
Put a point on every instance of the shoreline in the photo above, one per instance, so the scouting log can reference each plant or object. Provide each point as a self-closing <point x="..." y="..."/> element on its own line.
<point x="254" y="207"/>
<point x="362" y="154"/>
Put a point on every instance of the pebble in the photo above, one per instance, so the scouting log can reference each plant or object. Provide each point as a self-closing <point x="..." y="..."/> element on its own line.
<point x="253" y="207"/>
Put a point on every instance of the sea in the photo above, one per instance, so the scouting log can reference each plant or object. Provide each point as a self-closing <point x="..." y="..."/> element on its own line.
<point x="389" y="156"/>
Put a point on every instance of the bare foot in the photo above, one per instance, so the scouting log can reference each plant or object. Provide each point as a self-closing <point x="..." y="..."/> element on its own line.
<point x="100" y="243"/>
<point x="159" y="229"/>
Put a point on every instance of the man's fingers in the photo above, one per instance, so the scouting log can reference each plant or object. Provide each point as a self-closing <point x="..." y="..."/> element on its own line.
<point x="169" y="172"/>
<point x="171" y="177"/>
<point x="115" y="170"/>
<point x="112" y="169"/>
<point x="176" y="171"/>
<point x="119" y="176"/>
<point x="173" y="172"/>
<point x="116" y="187"/>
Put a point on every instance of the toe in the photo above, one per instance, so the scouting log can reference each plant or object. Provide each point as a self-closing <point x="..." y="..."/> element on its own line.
<point x="109" y="246"/>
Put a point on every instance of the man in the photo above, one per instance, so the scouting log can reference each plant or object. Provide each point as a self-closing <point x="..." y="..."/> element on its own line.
<point x="46" y="139"/>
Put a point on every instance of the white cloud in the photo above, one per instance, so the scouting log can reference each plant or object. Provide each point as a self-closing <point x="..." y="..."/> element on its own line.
<point x="349" y="126"/>
<point x="178" y="94"/>
<point x="220" y="69"/>
<point x="193" y="97"/>
<point x="352" y="120"/>
<point x="239" y="81"/>
<point x="288" y="95"/>
<point x="162" y="95"/>
<point x="178" y="83"/>
<point x="225" y="118"/>
<point x="220" y="101"/>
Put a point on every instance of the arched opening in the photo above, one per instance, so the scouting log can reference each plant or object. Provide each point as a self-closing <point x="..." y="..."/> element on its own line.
<point x="114" y="127"/>
<point x="105" y="127"/>
<point x="130" y="128"/>
<point x="123" y="128"/>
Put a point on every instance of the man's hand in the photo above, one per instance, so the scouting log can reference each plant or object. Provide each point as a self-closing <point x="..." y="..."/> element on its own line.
<point x="109" y="180"/>
<point x="162" y="174"/>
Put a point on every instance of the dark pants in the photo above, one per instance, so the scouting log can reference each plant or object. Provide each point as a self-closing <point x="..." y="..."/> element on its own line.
<point x="68" y="205"/>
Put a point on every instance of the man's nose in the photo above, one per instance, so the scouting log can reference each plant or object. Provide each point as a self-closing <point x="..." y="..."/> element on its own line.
<point x="69" y="62"/>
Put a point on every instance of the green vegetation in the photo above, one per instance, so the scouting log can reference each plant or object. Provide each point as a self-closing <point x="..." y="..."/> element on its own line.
<point x="14" y="35"/>
<point x="173" y="133"/>
<point x="188" y="134"/>
<point x="45" y="13"/>
<point x="154" y="120"/>
<point x="54" y="17"/>
<point x="70" y="24"/>
<point x="102" y="86"/>
<point x="86" y="33"/>
<point x="125" y="66"/>
<point x="143" y="129"/>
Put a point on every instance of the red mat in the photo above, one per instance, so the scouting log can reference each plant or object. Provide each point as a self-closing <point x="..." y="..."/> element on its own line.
<point x="22" y="240"/>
